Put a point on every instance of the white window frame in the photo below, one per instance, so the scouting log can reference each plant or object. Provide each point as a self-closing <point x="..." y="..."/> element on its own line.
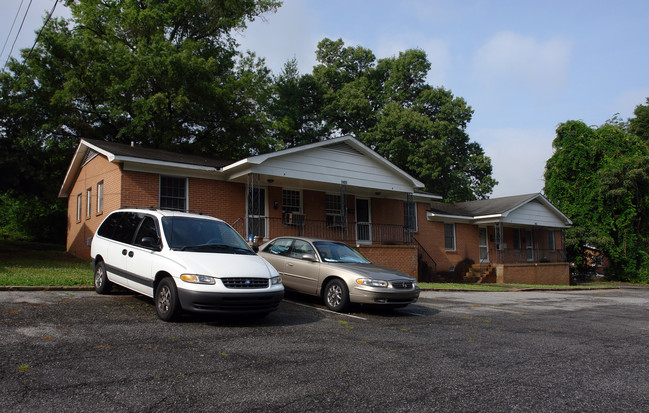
<point x="100" y="197"/>
<point x="79" y="206"/>
<point x="452" y="226"/>
<point x="88" y="202"/>
<point x="300" y="205"/>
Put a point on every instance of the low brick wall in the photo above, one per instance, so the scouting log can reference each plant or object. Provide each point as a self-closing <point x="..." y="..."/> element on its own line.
<point x="399" y="257"/>
<point x="538" y="273"/>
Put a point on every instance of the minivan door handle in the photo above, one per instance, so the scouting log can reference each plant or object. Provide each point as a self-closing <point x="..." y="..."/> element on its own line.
<point x="123" y="252"/>
<point x="130" y="254"/>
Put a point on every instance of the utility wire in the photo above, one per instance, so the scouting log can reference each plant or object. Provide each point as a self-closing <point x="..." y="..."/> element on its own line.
<point x="12" y="27"/>
<point x="17" y="34"/>
<point x="49" y="16"/>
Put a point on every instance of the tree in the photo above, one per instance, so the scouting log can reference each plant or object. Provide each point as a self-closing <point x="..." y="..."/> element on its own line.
<point x="160" y="73"/>
<point x="388" y="106"/>
<point x="599" y="177"/>
<point x="639" y="125"/>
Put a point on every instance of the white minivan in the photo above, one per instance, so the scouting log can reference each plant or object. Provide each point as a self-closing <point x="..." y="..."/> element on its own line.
<point x="183" y="261"/>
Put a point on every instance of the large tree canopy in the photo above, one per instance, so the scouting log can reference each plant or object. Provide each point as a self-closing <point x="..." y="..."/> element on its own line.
<point x="388" y="105"/>
<point x="161" y="73"/>
<point x="599" y="177"/>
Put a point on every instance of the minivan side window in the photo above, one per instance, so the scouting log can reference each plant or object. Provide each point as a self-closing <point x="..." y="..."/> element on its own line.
<point x="120" y="226"/>
<point x="147" y="229"/>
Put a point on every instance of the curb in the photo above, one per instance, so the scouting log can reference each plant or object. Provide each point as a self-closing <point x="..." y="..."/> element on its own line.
<point x="46" y="288"/>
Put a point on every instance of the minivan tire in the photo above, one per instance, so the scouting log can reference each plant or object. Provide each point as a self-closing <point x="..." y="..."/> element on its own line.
<point x="167" y="304"/>
<point x="102" y="285"/>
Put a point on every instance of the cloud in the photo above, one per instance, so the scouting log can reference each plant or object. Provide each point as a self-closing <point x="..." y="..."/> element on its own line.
<point x="518" y="157"/>
<point x="542" y="67"/>
<point x="290" y="35"/>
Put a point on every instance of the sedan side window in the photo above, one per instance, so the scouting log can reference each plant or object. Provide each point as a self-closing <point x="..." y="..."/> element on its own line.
<point x="300" y="248"/>
<point x="280" y="246"/>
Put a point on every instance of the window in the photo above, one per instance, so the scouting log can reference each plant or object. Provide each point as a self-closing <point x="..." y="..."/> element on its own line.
<point x="410" y="216"/>
<point x="449" y="237"/>
<point x="551" y="245"/>
<point x="147" y="229"/>
<point x="88" y="202"/>
<point x="100" y="197"/>
<point x="300" y="248"/>
<point x="173" y="193"/>
<point x="333" y="210"/>
<point x="79" y="206"/>
<point x="517" y="239"/>
<point x="291" y="201"/>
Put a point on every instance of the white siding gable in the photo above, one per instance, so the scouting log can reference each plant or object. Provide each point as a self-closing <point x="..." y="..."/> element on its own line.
<point x="534" y="213"/>
<point x="335" y="163"/>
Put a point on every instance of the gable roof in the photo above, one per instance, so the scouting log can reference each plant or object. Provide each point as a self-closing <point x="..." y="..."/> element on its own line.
<point x="343" y="145"/>
<point x="289" y="164"/>
<point x="528" y="209"/>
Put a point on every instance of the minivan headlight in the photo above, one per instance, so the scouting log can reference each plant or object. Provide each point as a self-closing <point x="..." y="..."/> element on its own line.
<point x="372" y="283"/>
<point x="197" y="279"/>
<point x="275" y="280"/>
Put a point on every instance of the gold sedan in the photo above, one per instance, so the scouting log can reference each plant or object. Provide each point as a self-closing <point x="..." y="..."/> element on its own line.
<point x="337" y="273"/>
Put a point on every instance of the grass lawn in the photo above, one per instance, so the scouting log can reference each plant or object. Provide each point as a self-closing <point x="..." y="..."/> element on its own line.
<point x="31" y="264"/>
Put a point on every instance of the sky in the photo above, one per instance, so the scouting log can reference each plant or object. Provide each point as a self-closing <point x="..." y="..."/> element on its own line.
<point x="524" y="66"/>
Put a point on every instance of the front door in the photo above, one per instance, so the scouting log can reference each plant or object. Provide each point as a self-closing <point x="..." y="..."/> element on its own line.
<point x="363" y="224"/>
<point x="484" y="245"/>
<point x="529" y="245"/>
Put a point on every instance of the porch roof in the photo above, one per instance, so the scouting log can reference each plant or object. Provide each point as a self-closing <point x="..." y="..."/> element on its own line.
<point x="522" y="210"/>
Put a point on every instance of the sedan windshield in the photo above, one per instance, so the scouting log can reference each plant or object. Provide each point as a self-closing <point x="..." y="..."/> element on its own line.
<point x="339" y="252"/>
<point x="203" y="235"/>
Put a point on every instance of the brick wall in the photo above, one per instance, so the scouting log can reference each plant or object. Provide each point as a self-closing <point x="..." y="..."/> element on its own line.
<point x="79" y="231"/>
<point x="399" y="257"/>
<point x="543" y="274"/>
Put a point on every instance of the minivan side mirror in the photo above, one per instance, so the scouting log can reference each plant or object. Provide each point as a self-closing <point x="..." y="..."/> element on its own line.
<point x="150" y="242"/>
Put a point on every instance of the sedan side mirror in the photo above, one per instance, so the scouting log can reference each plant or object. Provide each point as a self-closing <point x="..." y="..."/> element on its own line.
<point x="309" y="257"/>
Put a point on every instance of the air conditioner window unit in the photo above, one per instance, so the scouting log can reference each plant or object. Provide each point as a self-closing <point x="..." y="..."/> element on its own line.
<point x="293" y="218"/>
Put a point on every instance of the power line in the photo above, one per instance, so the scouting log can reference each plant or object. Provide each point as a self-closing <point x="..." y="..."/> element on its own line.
<point x="49" y="16"/>
<point x="17" y="34"/>
<point x="12" y="27"/>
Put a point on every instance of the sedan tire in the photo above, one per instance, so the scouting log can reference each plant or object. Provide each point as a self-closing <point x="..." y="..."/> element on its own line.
<point x="336" y="295"/>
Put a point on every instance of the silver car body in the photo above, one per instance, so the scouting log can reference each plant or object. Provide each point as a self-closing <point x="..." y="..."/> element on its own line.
<point x="307" y="265"/>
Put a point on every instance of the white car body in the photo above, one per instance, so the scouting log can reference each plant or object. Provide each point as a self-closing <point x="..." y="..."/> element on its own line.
<point x="209" y="277"/>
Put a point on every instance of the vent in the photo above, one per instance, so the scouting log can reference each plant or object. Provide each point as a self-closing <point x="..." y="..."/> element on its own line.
<point x="343" y="147"/>
<point x="402" y="284"/>
<point x="90" y="155"/>
<point x="293" y="218"/>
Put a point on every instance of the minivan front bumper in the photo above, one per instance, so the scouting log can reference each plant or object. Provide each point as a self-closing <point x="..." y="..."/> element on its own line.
<point x="230" y="303"/>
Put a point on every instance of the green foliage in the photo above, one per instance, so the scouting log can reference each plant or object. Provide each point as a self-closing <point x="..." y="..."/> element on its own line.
<point x="599" y="177"/>
<point x="164" y="74"/>
<point x="388" y="106"/>
<point x="639" y="125"/>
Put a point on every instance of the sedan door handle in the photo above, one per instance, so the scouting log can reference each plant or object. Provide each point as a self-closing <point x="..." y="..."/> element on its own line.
<point x="290" y="264"/>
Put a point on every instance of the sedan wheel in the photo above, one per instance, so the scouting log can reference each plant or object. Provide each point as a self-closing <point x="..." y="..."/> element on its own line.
<point x="336" y="295"/>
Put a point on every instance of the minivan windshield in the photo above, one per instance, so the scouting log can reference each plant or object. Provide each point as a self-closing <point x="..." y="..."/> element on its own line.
<point x="339" y="252"/>
<point x="203" y="235"/>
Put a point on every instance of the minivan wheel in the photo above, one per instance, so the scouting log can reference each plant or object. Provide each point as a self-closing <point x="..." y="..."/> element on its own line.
<point x="167" y="305"/>
<point x="336" y="295"/>
<point x="102" y="285"/>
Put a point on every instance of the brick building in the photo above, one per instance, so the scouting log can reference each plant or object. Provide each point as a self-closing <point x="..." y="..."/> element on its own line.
<point x="334" y="189"/>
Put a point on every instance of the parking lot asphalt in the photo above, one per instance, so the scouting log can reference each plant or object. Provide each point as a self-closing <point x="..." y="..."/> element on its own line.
<point x="452" y="351"/>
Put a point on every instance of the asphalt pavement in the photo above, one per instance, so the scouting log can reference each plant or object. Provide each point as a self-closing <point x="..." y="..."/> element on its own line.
<point x="452" y="351"/>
